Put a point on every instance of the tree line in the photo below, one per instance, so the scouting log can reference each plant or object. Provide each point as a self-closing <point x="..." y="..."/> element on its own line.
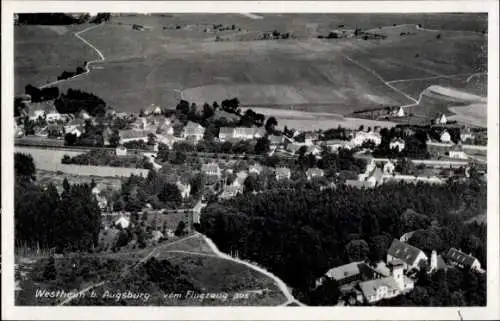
<point x="60" y="18"/>
<point x="300" y="234"/>
<point x="44" y="219"/>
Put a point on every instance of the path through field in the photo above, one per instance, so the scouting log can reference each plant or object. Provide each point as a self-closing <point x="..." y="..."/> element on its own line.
<point x="282" y="286"/>
<point x="87" y="69"/>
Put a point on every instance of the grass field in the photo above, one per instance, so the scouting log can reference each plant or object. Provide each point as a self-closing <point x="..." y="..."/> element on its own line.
<point x="41" y="53"/>
<point x="163" y="65"/>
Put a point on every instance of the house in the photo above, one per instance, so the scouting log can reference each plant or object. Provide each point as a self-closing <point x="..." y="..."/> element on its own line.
<point x="436" y="263"/>
<point x="294" y="147"/>
<point x="53" y="116"/>
<point x="74" y="129"/>
<point x="314" y="172"/>
<point x="184" y="189"/>
<point x="194" y="130"/>
<point x="283" y="173"/>
<point x="255" y="169"/>
<point x="34" y="115"/>
<point x="387" y="287"/>
<point x="441" y="120"/>
<point x="361" y="137"/>
<point x="313" y="150"/>
<point x="230" y="192"/>
<point x="354" y="183"/>
<point x="165" y="128"/>
<point x="310" y="138"/>
<point x="376" y="177"/>
<point x="388" y="168"/>
<point x="445" y="136"/>
<point x="410" y="256"/>
<point x="335" y="144"/>
<point x="156" y="236"/>
<point x="152" y="110"/>
<point x="55" y="130"/>
<point x="102" y="202"/>
<point x="128" y="135"/>
<point x="84" y="115"/>
<point x="398" y="112"/>
<point x="398" y="144"/>
<point x="466" y="135"/>
<point x="121" y="150"/>
<point x="457" y="152"/>
<point x="211" y="169"/>
<point x="275" y="140"/>
<point x="240" y="179"/>
<point x="465" y="261"/>
<point x="168" y="140"/>
<point x="197" y="211"/>
<point x="226" y="133"/>
<point x="123" y="222"/>
<point x="246" y="133"/>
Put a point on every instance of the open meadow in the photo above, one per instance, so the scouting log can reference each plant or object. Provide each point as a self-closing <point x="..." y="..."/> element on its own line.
<point x="175" y="56"/>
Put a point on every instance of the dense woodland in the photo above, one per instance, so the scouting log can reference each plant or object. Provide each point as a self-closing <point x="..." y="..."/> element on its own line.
<point x="44" y="219"/>
<point x="60" y="18"/>
<point x="301" y="234"/>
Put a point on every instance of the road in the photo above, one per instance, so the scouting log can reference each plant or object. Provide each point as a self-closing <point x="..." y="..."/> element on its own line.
<point x="87" y="69"/>
<point x="281" y="285"/>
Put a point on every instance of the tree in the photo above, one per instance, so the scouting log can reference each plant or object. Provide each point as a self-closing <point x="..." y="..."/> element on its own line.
<point x="24" y="166"/>
<point x="50" y="272"/>
<point x="181" y="229"/>
<point x="405" y="166"/>
<point x="271" y="124"/>
<point x="262" y="146"/>
<point x="250" y="184"/>
<point x="151" y="139"/>
<point x="328" y="293"/>
<point x="197" y="183"/>
<point x="357" y="250"/>
<point x="170" y="193"/>
<point x="208" y="111"/>
<point x="114" y="138"/>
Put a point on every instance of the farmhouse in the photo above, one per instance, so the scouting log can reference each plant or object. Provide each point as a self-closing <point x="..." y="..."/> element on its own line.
<point x="335" y="144"/>
<point x="152" y="110"/>
<point x="310" y="138"/>
<point x="283" y="173"/>
<point x="131" y="135"/>
<point x="242" y="133"/>
<point x="230" y="192"/>
<point x="361" y="137"/>
<point x="121" y="150"/>
<point x="34" y="115"/>
<point x="314" y="172"/>
<point x="398" y="144"/>
<point x="436" y="263"/>
<point x="457" y="152"/>
<point x="211" y="169"/>
<point x="123" y="222"/>
<point x="255" y="169"/>
<point x="462" y="260"/>
<point x="441" y="120"/>
<point x="275" y="140"/>
<point x="388" y="168"/>
<point x="409" y="255"/>
<point x="194" y="130"/>
<point x="184" y="189"/>
<point x="445" y="136"/>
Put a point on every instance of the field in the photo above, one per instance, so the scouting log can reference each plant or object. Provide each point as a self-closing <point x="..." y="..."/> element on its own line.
<point x="41" y="53"/>
<point x="176" y="57"/>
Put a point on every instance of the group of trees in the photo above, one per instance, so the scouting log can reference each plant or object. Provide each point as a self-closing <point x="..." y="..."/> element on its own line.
<point x="324" y="229"/>
<point x="37" y="94"/>
<point x="76" y="100"/>
<point x="60" y="18"/>
<point x="68" y="74"/>
<point x="157" y="189"/>
<point x="44" y="219"/>
<point x="106" y="158"/>
<point x="276" y="35"/>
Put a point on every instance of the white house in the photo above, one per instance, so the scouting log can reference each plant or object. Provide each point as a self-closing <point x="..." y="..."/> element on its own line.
<point x="184" y="189"/>
<point x="389" y="168"/>
<point x="123" y="222"/>
<point x="360" y="137"/>
<point x="457" y="154"/>
<point x="441" y="120"/>
<point x="194" y="130"/>
<point x="400" y="112"/>
<point x="314" y="172"/>
<point x="121" y="150"/>
<point x="35" y="114"/>
<point x="153" y="110"/>
<point x="53" y="116"/>
<point x="283" y="173"/>
<point x="445" y="136"/>
<point x="255" y="169"/>
<point x="410" y="256"/>
<point x="211" y="169"/>
<point x="398" y="144"/>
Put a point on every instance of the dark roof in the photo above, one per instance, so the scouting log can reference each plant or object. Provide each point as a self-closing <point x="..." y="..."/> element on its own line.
<point x="404" y="252"/>
<point x="460" y="257"/>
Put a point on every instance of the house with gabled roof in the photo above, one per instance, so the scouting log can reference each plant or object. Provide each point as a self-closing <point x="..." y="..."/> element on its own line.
<point x="409" y="255"/>
<point x="194" y="130"/>
<point x="211" y="169"/>
<point x="463" y="260"/>
<point x="283" y="173"/>
<point x="314" y="172"/>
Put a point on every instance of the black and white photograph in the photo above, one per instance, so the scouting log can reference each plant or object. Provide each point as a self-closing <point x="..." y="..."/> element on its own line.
<point x="169" y="158"/>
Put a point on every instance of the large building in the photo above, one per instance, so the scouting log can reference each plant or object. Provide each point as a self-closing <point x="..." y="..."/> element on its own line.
<point x="410" y="256"/>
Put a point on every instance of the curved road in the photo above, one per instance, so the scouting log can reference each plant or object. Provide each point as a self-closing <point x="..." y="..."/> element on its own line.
<point x="87" y="69"/>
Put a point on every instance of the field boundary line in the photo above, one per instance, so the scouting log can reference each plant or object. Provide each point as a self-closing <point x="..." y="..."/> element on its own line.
<point x="87" y="65"/>
<point x="427" y="78"/>
<point x="373" y="72"/>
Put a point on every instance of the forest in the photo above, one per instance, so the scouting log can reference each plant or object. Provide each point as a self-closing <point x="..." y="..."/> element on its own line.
<point x="44" y="219"/>
<point x="300" y="234"/>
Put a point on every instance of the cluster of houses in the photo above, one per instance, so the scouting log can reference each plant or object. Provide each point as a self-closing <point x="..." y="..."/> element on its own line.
<point x="363" y="282"/>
